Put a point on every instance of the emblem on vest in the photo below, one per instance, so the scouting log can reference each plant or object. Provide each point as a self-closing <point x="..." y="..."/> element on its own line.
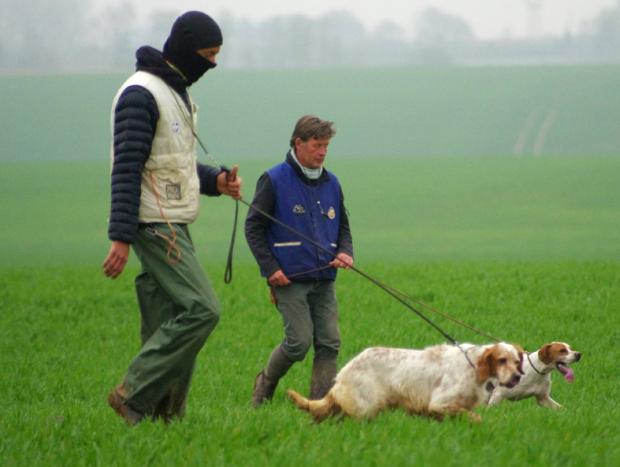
<point x="173" y="191"/>
<point x="331" y="213"/>
<point x="176" y="127"/>
<point x="299" y="209"/>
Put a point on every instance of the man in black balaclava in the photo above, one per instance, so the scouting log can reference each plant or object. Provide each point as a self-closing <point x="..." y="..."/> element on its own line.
<point x="192" y="32"/>
<point x="156" y="180"/>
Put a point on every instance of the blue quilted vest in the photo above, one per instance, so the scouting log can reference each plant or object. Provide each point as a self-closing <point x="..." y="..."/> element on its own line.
<point x="313" y="210"/>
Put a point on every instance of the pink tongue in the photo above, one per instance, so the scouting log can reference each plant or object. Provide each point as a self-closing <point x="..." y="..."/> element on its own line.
<point x="569" y="376"/>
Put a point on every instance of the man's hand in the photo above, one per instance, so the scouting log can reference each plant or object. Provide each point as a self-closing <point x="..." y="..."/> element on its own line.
<point x="228" y="183"/>
<point x="278" y="279"/>
<point x="117" y="258"/>
<point x="342" y="260"/>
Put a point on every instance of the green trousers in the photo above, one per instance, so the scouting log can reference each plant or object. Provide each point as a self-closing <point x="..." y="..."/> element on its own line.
<point x="179" y="309"/>
<point x="310" y="316"/>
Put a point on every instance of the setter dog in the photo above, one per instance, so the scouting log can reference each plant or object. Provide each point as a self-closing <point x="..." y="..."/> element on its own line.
<point x="436" y="381"/>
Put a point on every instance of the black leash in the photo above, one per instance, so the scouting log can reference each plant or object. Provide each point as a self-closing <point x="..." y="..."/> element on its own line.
<point x="397" y="295"/>
<point x="402" y="298"/>
<point x="446" y="316"/>
<point x="228" y="273"/>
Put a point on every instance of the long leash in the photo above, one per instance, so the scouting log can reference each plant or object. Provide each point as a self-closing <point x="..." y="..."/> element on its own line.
<point x="228" y="272"/>
<point x="447" y="316"/>
<point x="399" y="296"/>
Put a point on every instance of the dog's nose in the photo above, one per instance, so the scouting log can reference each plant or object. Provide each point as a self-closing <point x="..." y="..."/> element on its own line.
<point x="577" y="356"/>
<point x="515" y="379"/>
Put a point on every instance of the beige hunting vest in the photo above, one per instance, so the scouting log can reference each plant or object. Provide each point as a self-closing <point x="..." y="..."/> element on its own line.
<point x="170" y="185"/>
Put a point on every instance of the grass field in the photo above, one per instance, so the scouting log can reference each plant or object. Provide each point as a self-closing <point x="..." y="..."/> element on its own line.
<point x="403" y="210"/>
<point x="420" y="112"/>
<point x="525" y="249"/>
<point x="67" y="334"/>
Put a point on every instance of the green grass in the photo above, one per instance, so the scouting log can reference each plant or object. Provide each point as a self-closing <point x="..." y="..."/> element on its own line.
<point x="403" y="210"/>
<point x="421" y="112"/>
<point x="67" y="334"/>
<point x="525" y="249"/>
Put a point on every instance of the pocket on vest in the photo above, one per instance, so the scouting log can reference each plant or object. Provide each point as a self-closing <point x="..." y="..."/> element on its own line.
<point x="289" y="255"/>
<point x="171" y="177"/>
<point x="286" y="244"/>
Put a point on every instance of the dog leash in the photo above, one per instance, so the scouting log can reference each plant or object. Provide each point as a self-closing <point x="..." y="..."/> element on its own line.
<point x="447" y="316"/>
<point x="228" y="272"/>
<point x="399" y="296"/>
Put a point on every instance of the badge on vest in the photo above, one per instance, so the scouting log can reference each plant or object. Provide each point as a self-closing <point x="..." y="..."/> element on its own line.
<point x="298" y="209"/>
<point x="331" y="213"/>
<point x="173" y="191"/>
<point x="176" y="127"/>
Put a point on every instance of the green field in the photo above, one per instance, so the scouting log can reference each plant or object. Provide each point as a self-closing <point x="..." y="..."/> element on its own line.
<point x="422" y="112"/>
<point x="525" y="248"/>
<point x="402" y="210"/>
<point x="67" y="334"/>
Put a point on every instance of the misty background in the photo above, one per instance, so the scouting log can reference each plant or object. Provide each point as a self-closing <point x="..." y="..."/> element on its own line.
<point x="87" y="35"/>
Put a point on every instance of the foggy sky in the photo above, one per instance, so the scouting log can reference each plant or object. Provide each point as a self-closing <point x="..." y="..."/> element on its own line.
<point x="488" y="18"/>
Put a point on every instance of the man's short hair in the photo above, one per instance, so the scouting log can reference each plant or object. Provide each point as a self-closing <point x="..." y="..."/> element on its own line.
<point x="311" y="126"/>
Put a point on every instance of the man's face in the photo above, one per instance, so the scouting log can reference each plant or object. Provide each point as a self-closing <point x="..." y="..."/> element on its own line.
<point x="210" y="53"/>
<point x="311" y="154"/>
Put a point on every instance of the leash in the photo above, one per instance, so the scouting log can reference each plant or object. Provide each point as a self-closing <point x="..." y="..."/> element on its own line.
<point x="395" y="294"/>
<point x="448" y="317"/>
<point x="399" y="296"/>
<point x="228" y="272"/>
<point x="309" y="271"/>
<point x="173" y="253"/>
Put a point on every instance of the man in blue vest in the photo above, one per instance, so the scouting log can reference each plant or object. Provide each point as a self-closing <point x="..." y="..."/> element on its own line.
<point x="301" y="194"/>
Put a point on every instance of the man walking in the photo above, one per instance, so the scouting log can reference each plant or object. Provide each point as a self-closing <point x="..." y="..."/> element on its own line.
<point x="302" y="194"/>
<point x="156" y="182"/>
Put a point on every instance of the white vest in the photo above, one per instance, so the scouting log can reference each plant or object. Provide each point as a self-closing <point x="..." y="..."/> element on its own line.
<point x="170" y="185"/>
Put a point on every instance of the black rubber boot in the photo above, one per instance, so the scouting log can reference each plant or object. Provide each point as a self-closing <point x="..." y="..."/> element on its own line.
<point x="323" y="374"/>
<point x="267" y="380"/>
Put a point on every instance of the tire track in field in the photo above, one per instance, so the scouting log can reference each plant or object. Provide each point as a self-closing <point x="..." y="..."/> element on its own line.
<point x="545" y="128"/>
<point x="529" y="127"/>
<point x="523" y="134"/>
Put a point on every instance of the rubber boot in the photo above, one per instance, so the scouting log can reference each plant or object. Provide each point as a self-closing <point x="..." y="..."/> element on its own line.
<point x="172" y="406"/>
<point x="117" y="399"/>
<point x="323" y="374"/>
<point x="267" y="380"/>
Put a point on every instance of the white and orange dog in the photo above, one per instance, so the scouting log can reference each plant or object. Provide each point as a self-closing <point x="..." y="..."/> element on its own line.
<point x="436" y="381"/>
<point x="536" y="380"/>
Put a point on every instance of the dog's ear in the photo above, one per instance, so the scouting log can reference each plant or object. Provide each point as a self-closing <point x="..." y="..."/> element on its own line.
<point x="486" y="365"/>
<point x="545" y="354"/>
<point x="521" y="353"/>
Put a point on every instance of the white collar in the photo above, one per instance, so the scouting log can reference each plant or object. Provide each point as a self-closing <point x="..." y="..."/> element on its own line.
<point x="312" y="174"/>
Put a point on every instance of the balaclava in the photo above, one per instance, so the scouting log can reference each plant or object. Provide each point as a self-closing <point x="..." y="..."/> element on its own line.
<point x="190" y="32"/>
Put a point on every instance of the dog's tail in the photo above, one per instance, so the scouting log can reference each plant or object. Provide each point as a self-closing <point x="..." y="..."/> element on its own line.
<point x="319" y="409"/>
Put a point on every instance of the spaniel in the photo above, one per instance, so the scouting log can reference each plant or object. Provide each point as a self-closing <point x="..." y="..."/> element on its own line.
<point x="435" y="381"/>
<point x="536" y="380"/>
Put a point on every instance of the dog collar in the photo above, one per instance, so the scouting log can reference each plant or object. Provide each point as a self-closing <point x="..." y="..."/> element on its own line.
<point x="535" y="369"/>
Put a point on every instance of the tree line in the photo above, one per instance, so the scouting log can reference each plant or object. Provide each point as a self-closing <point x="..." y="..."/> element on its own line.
<point x="72" y="35"/>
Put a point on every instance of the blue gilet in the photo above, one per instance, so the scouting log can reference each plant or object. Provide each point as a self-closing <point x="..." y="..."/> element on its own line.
<point x="313" y="210"/>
